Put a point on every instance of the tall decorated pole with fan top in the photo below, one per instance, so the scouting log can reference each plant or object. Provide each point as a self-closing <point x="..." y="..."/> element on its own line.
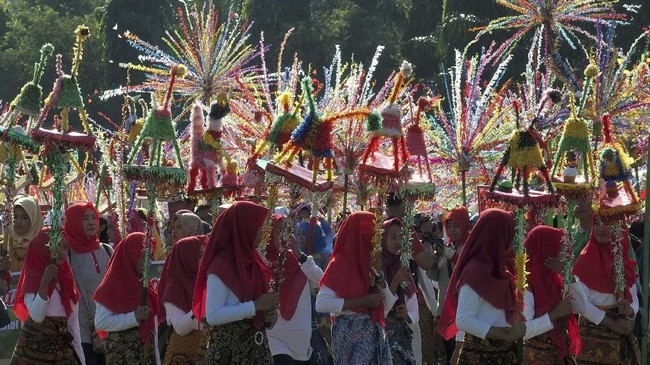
<point x="160" y="179"/>
<point x="60" y="142"/>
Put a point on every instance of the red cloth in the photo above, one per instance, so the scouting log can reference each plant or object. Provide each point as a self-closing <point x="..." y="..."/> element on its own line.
<point x="177" y="279"/>
<point x="294" y="279"/>
<point x="73" y="228"/>
<point x="460" y="215"/>
<point x="546" y="285"/>
<point x="230" y="255"/>
<point x="347" y="273"/>
<point x="390" y="262"/>
<point x="595" y="265"/>
<point x="121" y="289"/>
<point x="487" y="265"/>
<point x="38" y="257"/>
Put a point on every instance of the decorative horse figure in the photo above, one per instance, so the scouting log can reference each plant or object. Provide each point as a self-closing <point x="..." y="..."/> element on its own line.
<point x="415" y="143"/>
<point x="524" y="153"/>
<point x="314" y="133"/>
<point x="158" y="126"/>
<point x="575" y="137"/>
<point x="389" y="124"/>
<point x="280" y="130"/>
<point x="615" y="163"/>
<point x="206" y="148"/>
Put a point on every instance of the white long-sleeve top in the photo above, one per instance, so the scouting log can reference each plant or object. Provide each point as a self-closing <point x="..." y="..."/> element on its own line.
<point x="223" y="306"/>
<point x="182" y="321"/>
<point x="107" y="321"/>
<point x="543" y="324"/>
<point x="328" y="302"/>
<point x="474" y="315"/>
<point x="40" y="308"/>
<point x="292" y="337"/>
<point x="593" y="299"/>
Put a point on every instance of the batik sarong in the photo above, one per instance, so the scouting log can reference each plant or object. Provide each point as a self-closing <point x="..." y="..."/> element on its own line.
<point x="356" y="340"/>
<point x="541" y="350"/>
<point x="600" y="345"/>
<point x="475" y="351"/>
<point x="237" y="343"/>
<point x="182" y="350"/>
<point x="400" y="340"/>
<point x="126" y="348"/>
<point x="48" y="342"/>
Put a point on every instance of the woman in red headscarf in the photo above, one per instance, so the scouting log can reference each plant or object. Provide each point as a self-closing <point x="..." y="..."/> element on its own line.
<point x="231" y="290"/>
<point x="404" y="312"/>
<point x="457" y="226"/>
<point x="608" y="316"/>
<point x="289" y="339"/>
<point x="89" y="260"/>
<point x="480" y="299"/>
<point x="175" y="291"/>
<point x="546" y="342"/>
<point x="356" y="295"/>
<point x="47" y="304"/>
<point x="123" y="320"/>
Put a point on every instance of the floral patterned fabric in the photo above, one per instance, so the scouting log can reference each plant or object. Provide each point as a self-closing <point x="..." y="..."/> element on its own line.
<point x="126" y="348"/>
<point x="356" y="340"/>
<point x="400" y="339"/>
<point x="541" y="350"/>
<point x="475" y="351"/>
<point x="48" y="342"/>
<point x="237" y="343"/>
<point x="600" y="345"/>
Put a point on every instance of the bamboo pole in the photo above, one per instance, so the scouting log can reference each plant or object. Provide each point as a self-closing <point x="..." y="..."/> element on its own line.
<point x="646" y="259"/>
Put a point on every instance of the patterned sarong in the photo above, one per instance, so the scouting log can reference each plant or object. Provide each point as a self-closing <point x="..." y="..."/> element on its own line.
<point x="237" y="343"/>
<point x="541" y="350"/>
<point x="126" y="348"/>
<point x="475" y="351"/>
<point x="48" y="342"/>
<point x="356" y="340"/>
<point x="600" y="345"/>
<point x="400" y="339"/>
<point x="182" y="350"/>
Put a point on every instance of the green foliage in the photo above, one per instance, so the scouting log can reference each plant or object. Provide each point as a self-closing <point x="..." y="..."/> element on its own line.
<point x="28" y="27"/>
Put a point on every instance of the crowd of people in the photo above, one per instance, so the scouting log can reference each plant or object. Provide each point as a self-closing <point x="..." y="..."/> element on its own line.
<point x="218" y="301"/>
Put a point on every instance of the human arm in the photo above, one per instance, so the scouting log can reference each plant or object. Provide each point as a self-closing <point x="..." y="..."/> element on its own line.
<point x="469" y="303"/>
<point x="182" y="322"/>
<point x="307" y="265"/>
<point x="328" y="302"/>
<point x="107" y="321"/>
<point x="535" y="326"/>
<point x="218" y="310"/>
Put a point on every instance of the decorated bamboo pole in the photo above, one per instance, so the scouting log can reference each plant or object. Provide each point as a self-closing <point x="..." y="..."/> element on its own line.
<point x="10" y="176"/>
<point x="646" y="258"/>
<point x="55" y="159"/>
<point x="273" y="183"/>
<point x="520" y="268"/>
<point x="147" y="251"/>
<point x="375" y="256"/>
<point x="406" y="255"/>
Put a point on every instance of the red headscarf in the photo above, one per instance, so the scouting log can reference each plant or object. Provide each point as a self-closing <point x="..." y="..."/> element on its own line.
<point x="487" y="265"/>
<point x="595" y="265"/>
<point x="391" y="263"/>
<point x="176" y="285"/>
<point x="541" y="243"/>
<point x="294" y="279"/>
<point x="230" y="255"/>
<point x="121" y="289"/>
<point x="347" y="273"/>
<point x="460" y="215"/>
<point x="38" y="257"/>
<point x="73" y="227"/>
